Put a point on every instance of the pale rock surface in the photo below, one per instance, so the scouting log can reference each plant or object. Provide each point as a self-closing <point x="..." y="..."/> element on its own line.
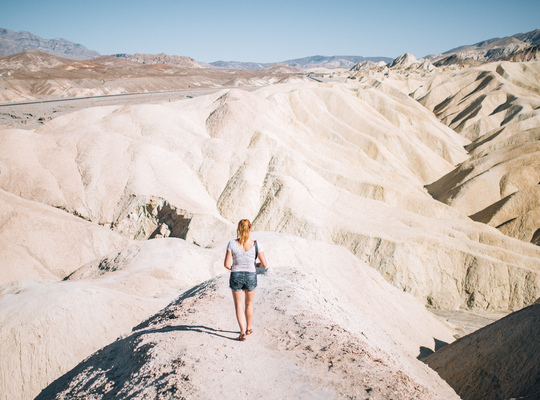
<point x="516" y="215"/>
<point x="405" y="60"/>
<point x="477" y="100"/>
<point x="339" y="163"/>
<point x="58" y="324"/>
<point x="306" y="344"/>
<point x="499" y="361"/>
<point x="127" y="286"/>
<point x="153" y="268"/>
<point x="332" y="163"/>
<point x="497" y="106"/>
<point x="38" y="241"/>
<point x="49" y="327"/>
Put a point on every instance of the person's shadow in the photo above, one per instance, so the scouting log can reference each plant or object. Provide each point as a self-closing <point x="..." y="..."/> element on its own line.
<point x="425" y="351"/>
<point x="192" y="328"/>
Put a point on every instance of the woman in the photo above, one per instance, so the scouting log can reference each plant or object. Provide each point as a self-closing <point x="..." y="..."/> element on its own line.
<point x="241" y="259"/>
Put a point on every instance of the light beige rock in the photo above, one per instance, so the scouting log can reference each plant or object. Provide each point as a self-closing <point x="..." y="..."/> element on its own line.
<point x="497" y="106"/>
<point x="327" y="164"/>
<point x="153" y="268"/>
<point x="515" y="215"/>
<point x="38" y="241"/>
<point x="127" y="286"/>
<point x="344" y="164"/>
<point x="306" y="343"/>
<point x="49" y="327"/>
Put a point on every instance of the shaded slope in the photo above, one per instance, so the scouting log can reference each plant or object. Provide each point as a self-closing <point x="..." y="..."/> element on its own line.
<point x="516" y="215"/>
<point x="499" y="361"/>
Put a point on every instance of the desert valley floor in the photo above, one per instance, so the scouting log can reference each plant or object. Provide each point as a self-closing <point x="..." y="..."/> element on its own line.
<point x="399" y="210"/>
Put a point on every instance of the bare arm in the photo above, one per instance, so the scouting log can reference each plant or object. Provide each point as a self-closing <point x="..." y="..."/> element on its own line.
<point x="262" y="260"/>
<point x="228" y="260"/>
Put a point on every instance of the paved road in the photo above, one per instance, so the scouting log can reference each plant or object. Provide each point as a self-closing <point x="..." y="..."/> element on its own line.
<point x="31" y="114"/>
<point x="183" y="93"/>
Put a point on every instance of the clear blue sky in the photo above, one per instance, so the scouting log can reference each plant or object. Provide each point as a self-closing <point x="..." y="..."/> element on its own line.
<point x="271" y="31"/>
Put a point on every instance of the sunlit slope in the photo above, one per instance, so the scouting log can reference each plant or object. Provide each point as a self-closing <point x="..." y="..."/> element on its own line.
<point x="341" y="164"/>
<point x="49" y="327"/>
<point x="497" y="106"/>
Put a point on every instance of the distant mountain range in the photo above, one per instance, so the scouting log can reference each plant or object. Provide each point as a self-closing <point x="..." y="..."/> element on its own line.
<point x="520" y="46"/>
<point x="303" y="63"/>
<point x="12" y="42"/>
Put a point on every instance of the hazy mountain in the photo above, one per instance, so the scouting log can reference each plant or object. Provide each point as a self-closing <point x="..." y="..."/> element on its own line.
<point x="12" y="42"/>
<point x="303" y="63"/>
<point x="332" y="62"/>
<point x="237" y="65"/>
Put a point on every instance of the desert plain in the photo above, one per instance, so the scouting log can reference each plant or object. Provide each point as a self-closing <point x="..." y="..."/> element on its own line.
<point x="398" y="206"/>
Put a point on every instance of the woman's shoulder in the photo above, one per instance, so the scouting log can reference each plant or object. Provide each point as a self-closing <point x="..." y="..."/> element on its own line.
<point x="231" y="243"/>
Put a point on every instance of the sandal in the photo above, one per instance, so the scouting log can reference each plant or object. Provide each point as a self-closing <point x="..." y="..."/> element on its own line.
<point x="242" y="337"/>
<point x="249" y="331"/>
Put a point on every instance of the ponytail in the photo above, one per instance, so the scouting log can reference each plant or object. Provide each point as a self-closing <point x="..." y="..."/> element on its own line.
<point x="244" y="226"/>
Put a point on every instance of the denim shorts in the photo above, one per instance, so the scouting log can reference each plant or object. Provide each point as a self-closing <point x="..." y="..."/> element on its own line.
<point x="243" y="281"/>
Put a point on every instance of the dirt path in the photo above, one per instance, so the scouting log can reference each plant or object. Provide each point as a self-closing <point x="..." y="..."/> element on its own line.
<point x="189" y="351"/>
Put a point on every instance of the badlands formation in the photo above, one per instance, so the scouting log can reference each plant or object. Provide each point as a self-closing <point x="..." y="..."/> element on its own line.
<point x="408" y="186"/>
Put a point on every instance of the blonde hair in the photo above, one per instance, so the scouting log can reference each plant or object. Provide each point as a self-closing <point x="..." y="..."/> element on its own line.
<point x="244" y="226"/>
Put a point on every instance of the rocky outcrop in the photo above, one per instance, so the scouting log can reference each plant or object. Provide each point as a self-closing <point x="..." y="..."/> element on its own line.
<point x="176" y="61"/>
<point x="148" y="217"/>
<point x="494" y="49"/>
<point x="456" y="60"/>
<point x="405" y="60"/>
<point x="499" y="361"/>
<point x="531" y="53"/>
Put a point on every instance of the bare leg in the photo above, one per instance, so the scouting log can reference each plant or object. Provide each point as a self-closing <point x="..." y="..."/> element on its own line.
<point x="249" y="309"/>
<point x="239" y="307"/>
